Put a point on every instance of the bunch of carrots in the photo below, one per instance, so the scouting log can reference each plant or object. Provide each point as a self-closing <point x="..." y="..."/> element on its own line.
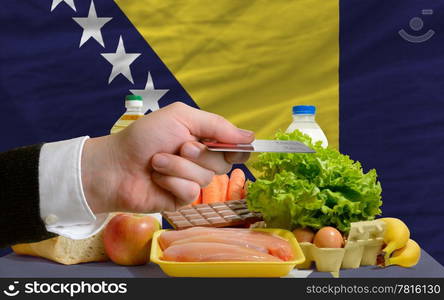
<point x="223" y="188"/>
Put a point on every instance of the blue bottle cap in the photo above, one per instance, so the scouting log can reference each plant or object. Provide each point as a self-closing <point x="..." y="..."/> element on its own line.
<point x="304" y="110"/>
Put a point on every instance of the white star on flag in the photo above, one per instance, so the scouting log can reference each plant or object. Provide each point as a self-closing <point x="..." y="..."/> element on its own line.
<point x="150" y="95"/>
<point x="121" y="62"/>
<point x="91" y="26"/>
<point x="55" y="3"/>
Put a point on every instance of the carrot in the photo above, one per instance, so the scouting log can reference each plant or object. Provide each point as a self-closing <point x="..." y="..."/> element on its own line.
<point x="216" y="191"/>
<point x="236" y="185"/>
<point x="245" y="190"/>
<point x="198" y="200"/>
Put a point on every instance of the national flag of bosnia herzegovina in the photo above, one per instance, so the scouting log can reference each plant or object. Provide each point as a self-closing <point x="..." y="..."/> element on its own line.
<point x="374" y="70"/>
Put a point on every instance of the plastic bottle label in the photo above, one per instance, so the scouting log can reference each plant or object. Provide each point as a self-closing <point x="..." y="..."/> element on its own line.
<point x="130" y="117"/>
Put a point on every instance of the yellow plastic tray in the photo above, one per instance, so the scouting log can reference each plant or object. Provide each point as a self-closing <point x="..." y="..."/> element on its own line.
<point x="229" y="269"/>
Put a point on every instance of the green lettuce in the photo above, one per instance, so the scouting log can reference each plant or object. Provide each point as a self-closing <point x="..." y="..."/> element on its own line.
<point x="319" y="189"/>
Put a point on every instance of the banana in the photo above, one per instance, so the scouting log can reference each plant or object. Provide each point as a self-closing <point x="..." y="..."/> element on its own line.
<point x="407" y="256"/>
<point x="396" y="236"/>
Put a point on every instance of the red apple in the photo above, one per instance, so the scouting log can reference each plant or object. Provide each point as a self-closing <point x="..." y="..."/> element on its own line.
<point x="127" y="238"/>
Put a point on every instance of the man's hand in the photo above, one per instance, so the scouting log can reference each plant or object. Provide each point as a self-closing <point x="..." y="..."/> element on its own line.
<point x="157" y="163"/>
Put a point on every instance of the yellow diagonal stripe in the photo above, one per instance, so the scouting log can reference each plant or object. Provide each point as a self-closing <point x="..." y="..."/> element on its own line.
<point x="247" y="60"/>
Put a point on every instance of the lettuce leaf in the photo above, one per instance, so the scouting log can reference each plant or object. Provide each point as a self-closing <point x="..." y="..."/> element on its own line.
<point x="313" y="190"/>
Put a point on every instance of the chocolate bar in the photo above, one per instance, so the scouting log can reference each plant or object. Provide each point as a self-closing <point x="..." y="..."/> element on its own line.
<point x="222" y="214"/>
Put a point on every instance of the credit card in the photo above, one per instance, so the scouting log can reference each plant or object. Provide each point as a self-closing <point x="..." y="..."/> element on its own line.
<point x="261" y="146"/>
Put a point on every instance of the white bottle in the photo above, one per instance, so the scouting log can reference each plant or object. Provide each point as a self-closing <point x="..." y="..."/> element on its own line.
<point x="304" y="121"/>
<point x="134" y="106"/>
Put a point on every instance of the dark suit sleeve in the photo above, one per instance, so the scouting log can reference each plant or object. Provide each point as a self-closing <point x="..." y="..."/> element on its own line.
<point x="20" y="220"/>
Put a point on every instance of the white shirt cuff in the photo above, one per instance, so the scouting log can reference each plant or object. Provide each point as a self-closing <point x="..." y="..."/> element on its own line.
<point x="63" y="205"/>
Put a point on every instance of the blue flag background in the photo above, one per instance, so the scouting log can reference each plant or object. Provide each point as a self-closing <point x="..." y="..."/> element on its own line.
<point x="51" y="89"/>
<point x="392" y="108"/>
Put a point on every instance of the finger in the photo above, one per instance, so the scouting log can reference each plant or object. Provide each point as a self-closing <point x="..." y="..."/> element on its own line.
<point x="174" y="165"/>
<point x="184" y="190"/>
<point x="198" y="153"/>
<point x="203" y="124"/>
<point x="236" y="157"/>
<point x="130" y="198"/>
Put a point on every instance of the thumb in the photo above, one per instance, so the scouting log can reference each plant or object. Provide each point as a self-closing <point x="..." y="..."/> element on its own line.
<point x="207" y="125"/>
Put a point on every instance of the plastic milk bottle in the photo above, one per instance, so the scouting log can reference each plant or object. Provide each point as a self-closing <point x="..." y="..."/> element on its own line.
<point x="304" y="121"/>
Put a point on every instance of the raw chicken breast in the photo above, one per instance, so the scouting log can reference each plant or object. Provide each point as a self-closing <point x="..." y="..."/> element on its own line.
<point x="168" y="237"/>
<point x="259" y="241"/>
<point x="206" y="252"/>
<point x="212" y="238"/>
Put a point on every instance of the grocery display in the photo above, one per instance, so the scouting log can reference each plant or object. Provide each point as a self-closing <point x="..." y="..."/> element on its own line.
<point x="331" y="204"/>
<point x="304" y="211"/>
<point x="326" y="198"/>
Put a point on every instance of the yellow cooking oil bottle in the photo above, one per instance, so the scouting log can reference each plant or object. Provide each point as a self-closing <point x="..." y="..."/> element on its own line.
<point x="134" y="106"/>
